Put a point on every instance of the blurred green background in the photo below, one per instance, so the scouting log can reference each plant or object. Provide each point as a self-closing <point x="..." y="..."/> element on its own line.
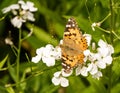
<point x="49" y="26"/>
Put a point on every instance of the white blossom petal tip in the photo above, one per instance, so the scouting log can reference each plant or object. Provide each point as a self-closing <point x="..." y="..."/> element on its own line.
<point x="10" y="8"/>
<point x="58" y="79"/>
<point x="36" y="59"/>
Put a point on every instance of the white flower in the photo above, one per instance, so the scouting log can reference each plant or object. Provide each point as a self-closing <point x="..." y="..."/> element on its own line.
<point x="60" y="81"/>
<point x="39" y="51"/>
<point x="8" y="41"/>
<point x="86" y="54"/>
<point x="97" y="61"/>
<point x="92" y="68"/>
<point x="21" y="12"/>
<point x="100" y="64"/>
<point x="81" y="70"/>
<point x="27" y="6"/>
<point x="17" y="21"/>
<point x="10" y="8"/>
<point x="101" y="43"/>
<point x="105" y="49"/>
<point x="92" y="57"/>
<point x="48" y="55"/>
<point x="88" y="37"/>
<point x="38" y="57"/>
<point x="28" y="16"/>
<point x="97" y="75"/>
<point x="59" y="78"/>
<point x="107" y="60"/>
<point x="94" y="25"/>
<point x="61" y="42"/>
<point x="57" y="52"/>
<point x="49" y="61"/>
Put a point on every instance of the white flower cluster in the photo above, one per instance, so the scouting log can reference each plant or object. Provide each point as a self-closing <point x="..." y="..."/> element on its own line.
<point x="93" y="62"/>
<point x="96" y="61"/>
<point x="21" y="11"/>
<point x="48" y="54"/>
<point x="60" y="78"/>
<point x="94" y="25"/>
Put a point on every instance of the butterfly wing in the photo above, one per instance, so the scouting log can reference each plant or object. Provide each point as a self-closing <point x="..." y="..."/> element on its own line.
<point x="73" y="46"/>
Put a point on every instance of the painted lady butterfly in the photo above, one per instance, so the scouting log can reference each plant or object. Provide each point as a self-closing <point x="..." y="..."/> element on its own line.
<point x="73" y="46"/>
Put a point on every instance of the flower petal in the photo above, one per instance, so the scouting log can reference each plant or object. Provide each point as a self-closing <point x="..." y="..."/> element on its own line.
<point x="88" y="38"/>
<point x="101" y="43"/>
<point x="93" y="26"/>
<point x="17" y="22"/>
<point x="36" y="59"/>
<point x="97" y="75"/>
<point x="66" y="74"/>
<point x="57" y="74"/>
<point x="50" y="61"/>
<point x="64" y="82"/>
<point x="9" y="8"/>
<point x="39" y="51"/>
<point x="56" y="81"/>
<point x="86" y="52"/>
<point x="84" y="71"/>
<point x="78" y="70"/>
<point x="31" y="6"/>
<point x="92" y="68"/>
<point x="103" y="51"/>
<point x="107" y="60"/>
<point x="101" y="64"/>
<point x="57" y="53"/>
<point x="111" y="49"/>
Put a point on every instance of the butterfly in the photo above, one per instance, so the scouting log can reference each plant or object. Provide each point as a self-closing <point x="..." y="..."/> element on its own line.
<point x="73" y="45"/>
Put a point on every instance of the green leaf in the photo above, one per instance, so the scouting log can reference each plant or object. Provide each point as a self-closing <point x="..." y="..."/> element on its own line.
<point x="23" y="84"/>
<point x="12" y="71"/>
<point x="3" y="61"/>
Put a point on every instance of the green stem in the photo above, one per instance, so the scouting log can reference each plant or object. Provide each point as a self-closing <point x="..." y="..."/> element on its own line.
<point x="105" y="18"/>
<point x="18" y="59"/>
<point x="116" y="35"/>
<point x="111" y="39"/>
<point x="111" y="21"/>
<point x="88" y="11"/>
<point x="106" y="31"/>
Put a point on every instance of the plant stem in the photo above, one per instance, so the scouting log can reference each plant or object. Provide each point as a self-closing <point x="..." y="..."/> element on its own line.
<point x="111" y="39"/>
<point x="18" y="59"/>
<point x="111" y="21"/>
<point x="105" y="18"/>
